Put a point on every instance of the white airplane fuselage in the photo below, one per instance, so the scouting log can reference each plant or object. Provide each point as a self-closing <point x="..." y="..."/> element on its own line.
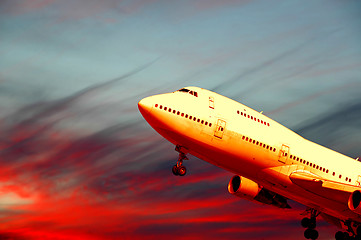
<point x="241" y="140"/>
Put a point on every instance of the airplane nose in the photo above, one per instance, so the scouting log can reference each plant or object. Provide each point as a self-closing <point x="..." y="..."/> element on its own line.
<point x="145" y="106"/>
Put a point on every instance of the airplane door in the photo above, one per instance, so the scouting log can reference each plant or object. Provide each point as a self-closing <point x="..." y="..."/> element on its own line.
<point x="284" y="152"/>
<point x="211" y="102"/>
<point x="221" y="125"/>
<point x="358" y="182"/>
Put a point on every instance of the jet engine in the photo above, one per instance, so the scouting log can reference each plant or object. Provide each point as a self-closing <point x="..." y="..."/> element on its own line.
<point x="247" y="189"/>
<point x="354" y="201"/>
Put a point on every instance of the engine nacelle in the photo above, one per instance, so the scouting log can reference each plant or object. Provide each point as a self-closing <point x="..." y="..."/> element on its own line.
<point x="243" y="187"/>
<point x="354" y="201"/>
<point x="247" y="189"/>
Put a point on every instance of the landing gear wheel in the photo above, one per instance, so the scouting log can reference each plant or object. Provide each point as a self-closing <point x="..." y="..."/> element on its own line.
<point x="179" y="169"/>
<point x="305" y="222"/>
<point x="343" y="236"/>
<point x="307" y="233"/>
<point x="339" y="235"/>
<point x="182" y="170"/>
<point x="175" y="170"/>
<point x="311" y="234"/>
<point x="312" y="223"/>
<point x="314" y="234"/>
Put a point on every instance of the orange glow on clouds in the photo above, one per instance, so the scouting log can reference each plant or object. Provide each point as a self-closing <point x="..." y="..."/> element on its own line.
<point x="59" y="185"/>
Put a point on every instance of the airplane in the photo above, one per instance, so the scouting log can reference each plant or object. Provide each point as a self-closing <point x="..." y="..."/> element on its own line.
<point x="271" y="163"/>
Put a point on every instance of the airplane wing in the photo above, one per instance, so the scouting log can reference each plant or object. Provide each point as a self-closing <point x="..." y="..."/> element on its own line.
<point x="313" y="183"/>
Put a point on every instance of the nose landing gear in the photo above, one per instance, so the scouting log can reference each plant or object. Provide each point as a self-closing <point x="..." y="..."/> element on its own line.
<point x="179" y="169"/>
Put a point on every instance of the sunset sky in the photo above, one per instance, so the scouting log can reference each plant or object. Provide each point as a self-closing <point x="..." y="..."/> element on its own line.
<point x="78" y="161"/>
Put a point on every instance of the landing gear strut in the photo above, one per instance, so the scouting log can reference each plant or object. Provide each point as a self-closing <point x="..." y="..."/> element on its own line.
<point x="310" y="225"/>
<point x="179" y="169"/>
<point x="353" y="232"/>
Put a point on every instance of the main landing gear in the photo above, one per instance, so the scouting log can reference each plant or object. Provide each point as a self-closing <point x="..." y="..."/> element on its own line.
<point x="353" y="232"/>
<point x="179" y="169"/>
<point x="310" y="224"/>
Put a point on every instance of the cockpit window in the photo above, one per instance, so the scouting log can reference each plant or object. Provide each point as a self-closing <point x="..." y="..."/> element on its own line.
<point x="183" y="90"/>
<point x="194" y="93"/>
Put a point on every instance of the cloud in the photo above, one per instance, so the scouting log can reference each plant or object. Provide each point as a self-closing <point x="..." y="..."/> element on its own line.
<point x="87" y="166"/>
<point x="338" y="129"/>
<point x="75" y="9"/>
<point x="22" y="7"/>
<point x="314" y="96"/>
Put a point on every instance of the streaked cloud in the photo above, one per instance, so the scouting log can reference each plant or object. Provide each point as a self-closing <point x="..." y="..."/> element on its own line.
<point x="77" y="161"/>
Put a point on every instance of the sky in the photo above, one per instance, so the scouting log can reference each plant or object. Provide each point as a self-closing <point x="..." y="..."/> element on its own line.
<point x="78" y="161"/>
